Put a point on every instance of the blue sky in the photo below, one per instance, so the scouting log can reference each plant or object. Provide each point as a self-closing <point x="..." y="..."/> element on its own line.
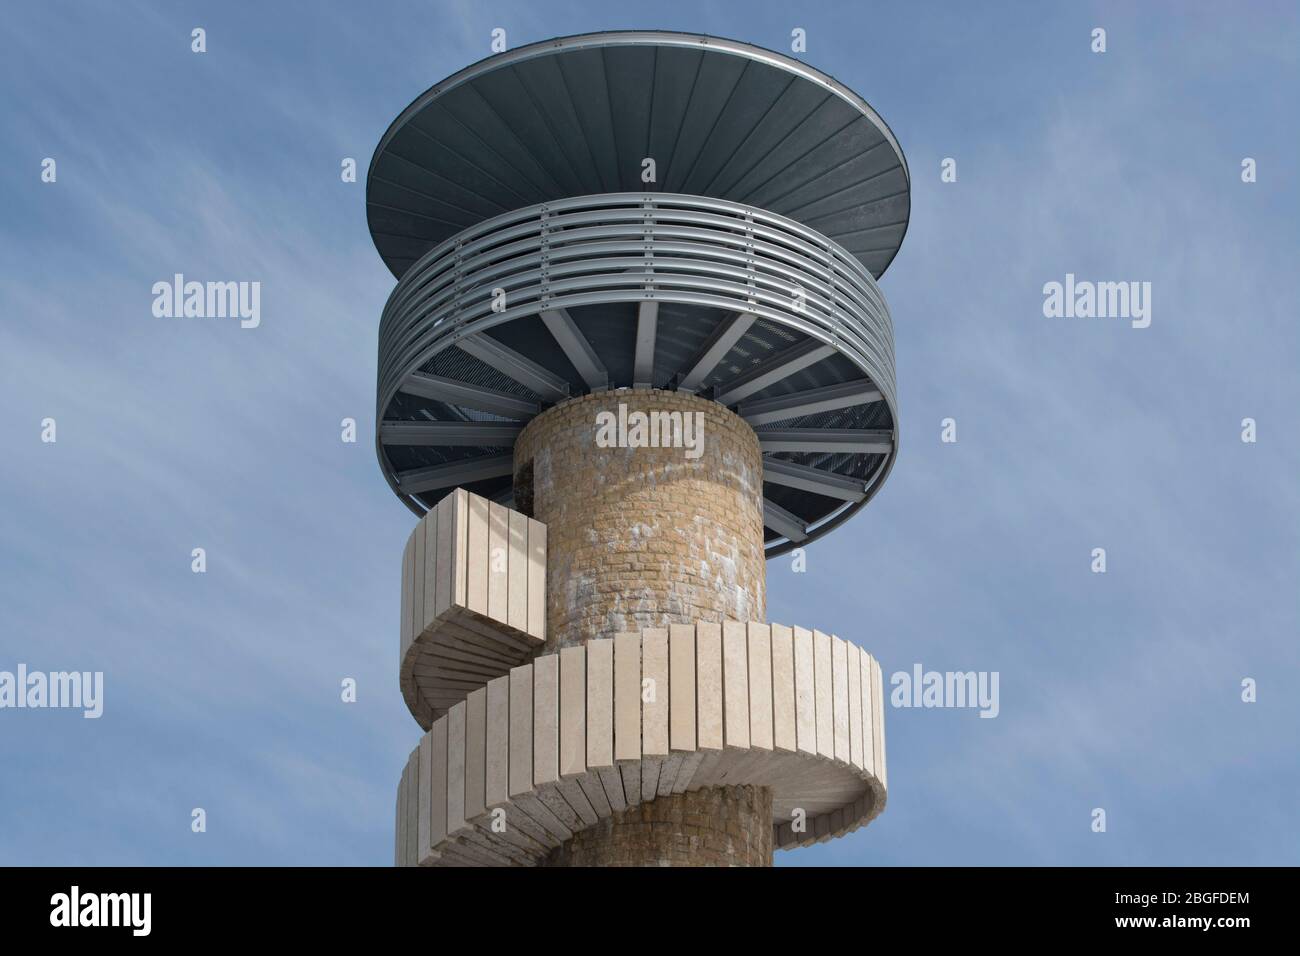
<point x="1119" y="691"/>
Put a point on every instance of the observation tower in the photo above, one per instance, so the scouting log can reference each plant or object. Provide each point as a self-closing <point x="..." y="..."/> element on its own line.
<point x="636" y="348"/>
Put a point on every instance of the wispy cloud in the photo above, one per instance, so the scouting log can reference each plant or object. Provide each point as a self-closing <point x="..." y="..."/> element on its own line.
<point x="222" y="689"/>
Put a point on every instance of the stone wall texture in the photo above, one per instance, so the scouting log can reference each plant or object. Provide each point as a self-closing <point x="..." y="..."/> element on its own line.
<point x="643" y="537"/>
<point x="715" y="826"/>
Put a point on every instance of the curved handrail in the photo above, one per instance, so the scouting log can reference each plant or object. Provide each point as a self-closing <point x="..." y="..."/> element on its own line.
<point x="584" y="250"/>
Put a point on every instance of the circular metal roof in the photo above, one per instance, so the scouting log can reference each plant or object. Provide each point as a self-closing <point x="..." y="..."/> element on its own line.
<point x="577" y="116"/>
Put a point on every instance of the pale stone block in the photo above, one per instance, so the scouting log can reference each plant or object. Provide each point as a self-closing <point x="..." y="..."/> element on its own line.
<point x="735" y="685"/>
<point x="521" y="730"/>
<point x="476" y="754"/>
<point x="627" y="699"/>
<point x="408" y="577"/>
<point x="498" y="560"/>
<point x="403" y="817"/>
<point x="840" y="697"/>
<point x="497" y="790"/>
<point x="413" y="808"/>
<point x="438" y="782"/>
<point x="681" y="687"/>
<point x="546" y="719"/>
<point x="418" y="614"/>
<point x="708" y="670"/>
<point x="456" y="768"/>
<point x="855" y="706"/>
<point x="446" y="538"/>
<point x="878" y="687"/>
<point x="573" y="711"/>
<point x="426" y="575"/>
<point x="822" y="682"/>
<point x="655" y="693"/>
<point x="600" y="704"/>
<point x="460" y="547"/>
<point x="805" y="688"/>
<point x="536" y="583"/>
<point x="760" y="686"/>
<point x="783" y="693"/>
<point x="517" y="593"/>
<point x="868" y="716"/>
<point x="398" y="809"/>
<point x="424" y="795"/>
<point x="477" y="555"/>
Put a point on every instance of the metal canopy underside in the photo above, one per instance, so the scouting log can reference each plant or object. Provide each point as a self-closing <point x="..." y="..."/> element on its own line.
<point x="818" y="504"/>
<point x="577" y="116"/>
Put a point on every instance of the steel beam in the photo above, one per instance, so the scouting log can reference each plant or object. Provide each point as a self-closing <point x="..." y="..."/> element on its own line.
<point x="783" y="522"/>
<point x="725" y="335"/>
<point x="448" y="433"/>
<point x="810" y="402"/>
<point x="779" y="366"/>
<point x="861" y="441"/>
<point x="454" y="473"/>
<point x="647" y="327"/>
<point x="780" y="472"/>
<point x="576" y="348"/>
<point x="509" y="362"/>
<point x="474" y="396"/>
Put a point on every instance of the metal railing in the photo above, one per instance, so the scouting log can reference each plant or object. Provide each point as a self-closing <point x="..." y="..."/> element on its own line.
<point x="633" y="247"/>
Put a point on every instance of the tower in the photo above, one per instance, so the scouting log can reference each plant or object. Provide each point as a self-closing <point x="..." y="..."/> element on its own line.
<point x="636" y="348"/>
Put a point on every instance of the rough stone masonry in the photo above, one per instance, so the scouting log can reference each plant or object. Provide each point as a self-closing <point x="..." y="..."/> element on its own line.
<point x="643" y="537"/>
<point x="714" y="826"/>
